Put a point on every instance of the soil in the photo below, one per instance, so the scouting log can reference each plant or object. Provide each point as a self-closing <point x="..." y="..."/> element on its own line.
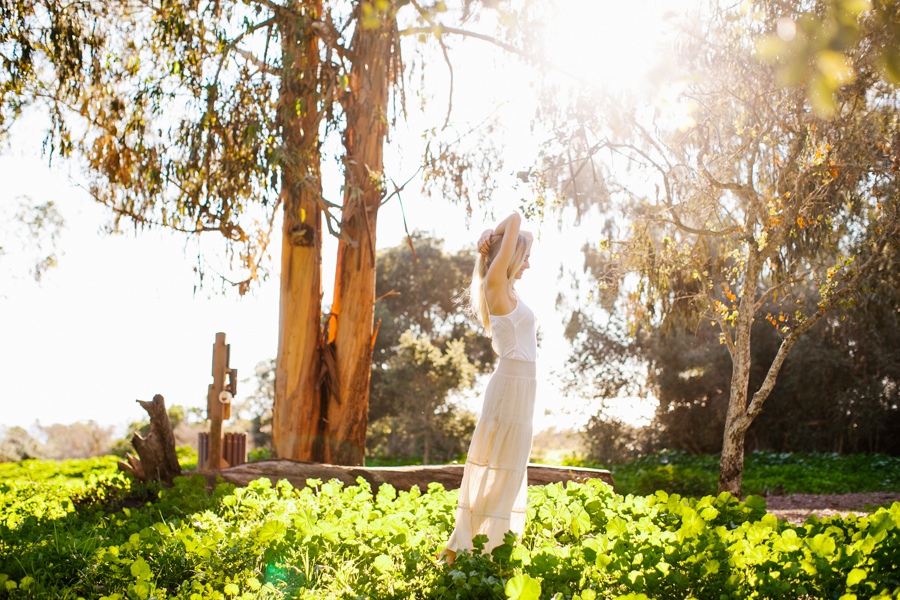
<point x="796" y="508"/>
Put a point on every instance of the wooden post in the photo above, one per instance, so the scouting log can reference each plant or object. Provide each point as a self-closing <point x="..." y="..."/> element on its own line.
<point x="216" y="410"/>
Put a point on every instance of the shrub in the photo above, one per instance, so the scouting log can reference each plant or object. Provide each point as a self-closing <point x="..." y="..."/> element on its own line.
<point x="582" y="542"/>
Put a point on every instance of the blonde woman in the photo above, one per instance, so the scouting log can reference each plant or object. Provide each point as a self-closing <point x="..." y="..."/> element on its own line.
<point x="493" y="493"/>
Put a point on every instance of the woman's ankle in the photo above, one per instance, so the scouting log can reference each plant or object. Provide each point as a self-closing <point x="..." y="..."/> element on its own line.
<point x="447" y="556"/>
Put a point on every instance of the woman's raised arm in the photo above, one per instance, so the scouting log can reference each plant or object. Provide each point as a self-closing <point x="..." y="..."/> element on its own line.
<point x="509" y="229"/>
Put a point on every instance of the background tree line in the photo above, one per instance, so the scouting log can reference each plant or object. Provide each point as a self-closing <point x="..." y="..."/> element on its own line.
<point x="838" y="392"/>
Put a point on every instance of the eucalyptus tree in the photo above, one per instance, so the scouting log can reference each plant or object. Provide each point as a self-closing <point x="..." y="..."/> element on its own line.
<point x="729" y="197"/>
<point x="210" y="116"/>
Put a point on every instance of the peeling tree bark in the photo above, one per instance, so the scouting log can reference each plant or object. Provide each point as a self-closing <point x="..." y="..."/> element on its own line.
<point x="297" y="411"/>
<point x="350" y="329"/>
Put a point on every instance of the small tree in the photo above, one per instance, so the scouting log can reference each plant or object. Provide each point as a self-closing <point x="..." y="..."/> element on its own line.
<point x="426" y="348"/>
<point x="727" y="194"/>
<point x="428" y="375"/>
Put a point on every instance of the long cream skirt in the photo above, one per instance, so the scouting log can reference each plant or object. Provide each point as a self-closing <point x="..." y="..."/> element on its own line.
<point x="493" y="495"/>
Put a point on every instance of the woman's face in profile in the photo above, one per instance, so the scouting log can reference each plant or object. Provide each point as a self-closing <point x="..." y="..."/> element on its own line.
<point x="525" y="265"/>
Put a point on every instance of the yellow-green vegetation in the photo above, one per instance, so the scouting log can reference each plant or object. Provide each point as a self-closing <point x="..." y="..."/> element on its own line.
<point x="794" y="473"/>
<point x="582" y="542"/>
<point x="66" y="472"/>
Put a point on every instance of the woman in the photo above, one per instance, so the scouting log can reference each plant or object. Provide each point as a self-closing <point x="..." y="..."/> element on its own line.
<point x="493" y="493"/>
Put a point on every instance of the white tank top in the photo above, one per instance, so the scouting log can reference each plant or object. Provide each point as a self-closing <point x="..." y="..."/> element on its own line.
<point x="514" y="335"/>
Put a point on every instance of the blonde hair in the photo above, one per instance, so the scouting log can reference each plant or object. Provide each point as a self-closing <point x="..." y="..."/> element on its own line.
<point x="477" y="305"/>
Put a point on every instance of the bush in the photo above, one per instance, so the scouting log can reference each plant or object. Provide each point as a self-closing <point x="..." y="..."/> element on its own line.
<point x="673" y="479"/>
<point x="187" y="458"/>
<point x="610" y="440"/>
<point x="674" y="471"/>
<point x="329" y="541"/>
<point x="259" y="454"/>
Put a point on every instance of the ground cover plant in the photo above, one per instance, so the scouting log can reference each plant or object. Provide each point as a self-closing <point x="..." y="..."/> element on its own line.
<point x="96" y="539"/>
<point x="765" y="472"/>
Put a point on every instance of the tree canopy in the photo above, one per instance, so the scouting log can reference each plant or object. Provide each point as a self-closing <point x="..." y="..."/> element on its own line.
<point x="731" y="199"/>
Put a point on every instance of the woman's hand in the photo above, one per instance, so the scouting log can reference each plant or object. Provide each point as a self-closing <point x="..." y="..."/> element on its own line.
<point x="484" y="242"/>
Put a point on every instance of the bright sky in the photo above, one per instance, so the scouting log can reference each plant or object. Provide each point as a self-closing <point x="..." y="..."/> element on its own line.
<point x="118" y="319"/>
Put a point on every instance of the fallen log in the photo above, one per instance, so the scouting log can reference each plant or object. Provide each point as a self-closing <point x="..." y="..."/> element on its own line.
<point x="402" y="478"/>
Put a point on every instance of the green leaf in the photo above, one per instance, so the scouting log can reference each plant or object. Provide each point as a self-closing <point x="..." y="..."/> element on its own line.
<point x="691" y="525"/>
<point x="711" y="568"/>
<point x="855" y="576"/>
<point x="270" y="531"/>
<point x="479" y="541"/>
<point x="616" y="527"/>
<point x="822" y="545"/>
<point x="789" y="541"/>
<point x="140" y="589"/>
<point x="581" y="522"/>
<point x="756" y="503"/>
<point x="141" y="570"/>
<point x="709" y="513"/>
<point x="383" y="563"/>
<point x="523" y="587"/>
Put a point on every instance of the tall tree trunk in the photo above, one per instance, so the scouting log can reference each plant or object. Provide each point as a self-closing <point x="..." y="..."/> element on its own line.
<point x="731" y="464"/>
<point x="297" y="411"/>
<point x="350" y="329"/>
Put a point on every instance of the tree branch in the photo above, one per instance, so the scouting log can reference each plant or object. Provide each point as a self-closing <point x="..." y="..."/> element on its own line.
<point x="707" y="287"/>
<point x="440" y="39"/>
<point x="329" y="34"/>
<point x="765" y="294"/>
<point x="262" y="66"/>
<point x="677" y="223"/>
<point x="439" y="30"/>
<point x="749" y="194"/>
<point x="744" y="421"/>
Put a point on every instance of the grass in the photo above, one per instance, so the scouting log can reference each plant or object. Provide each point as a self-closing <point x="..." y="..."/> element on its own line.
<point x="764" y="471"/>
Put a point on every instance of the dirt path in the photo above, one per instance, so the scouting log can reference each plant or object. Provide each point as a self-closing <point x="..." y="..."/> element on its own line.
<point x="796" y="508"/>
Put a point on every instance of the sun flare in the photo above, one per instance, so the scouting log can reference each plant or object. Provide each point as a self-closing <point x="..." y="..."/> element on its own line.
<point x="608" y="43"/>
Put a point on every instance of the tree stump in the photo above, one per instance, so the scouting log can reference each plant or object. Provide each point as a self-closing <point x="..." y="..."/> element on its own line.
<point x="156" y="460"/>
